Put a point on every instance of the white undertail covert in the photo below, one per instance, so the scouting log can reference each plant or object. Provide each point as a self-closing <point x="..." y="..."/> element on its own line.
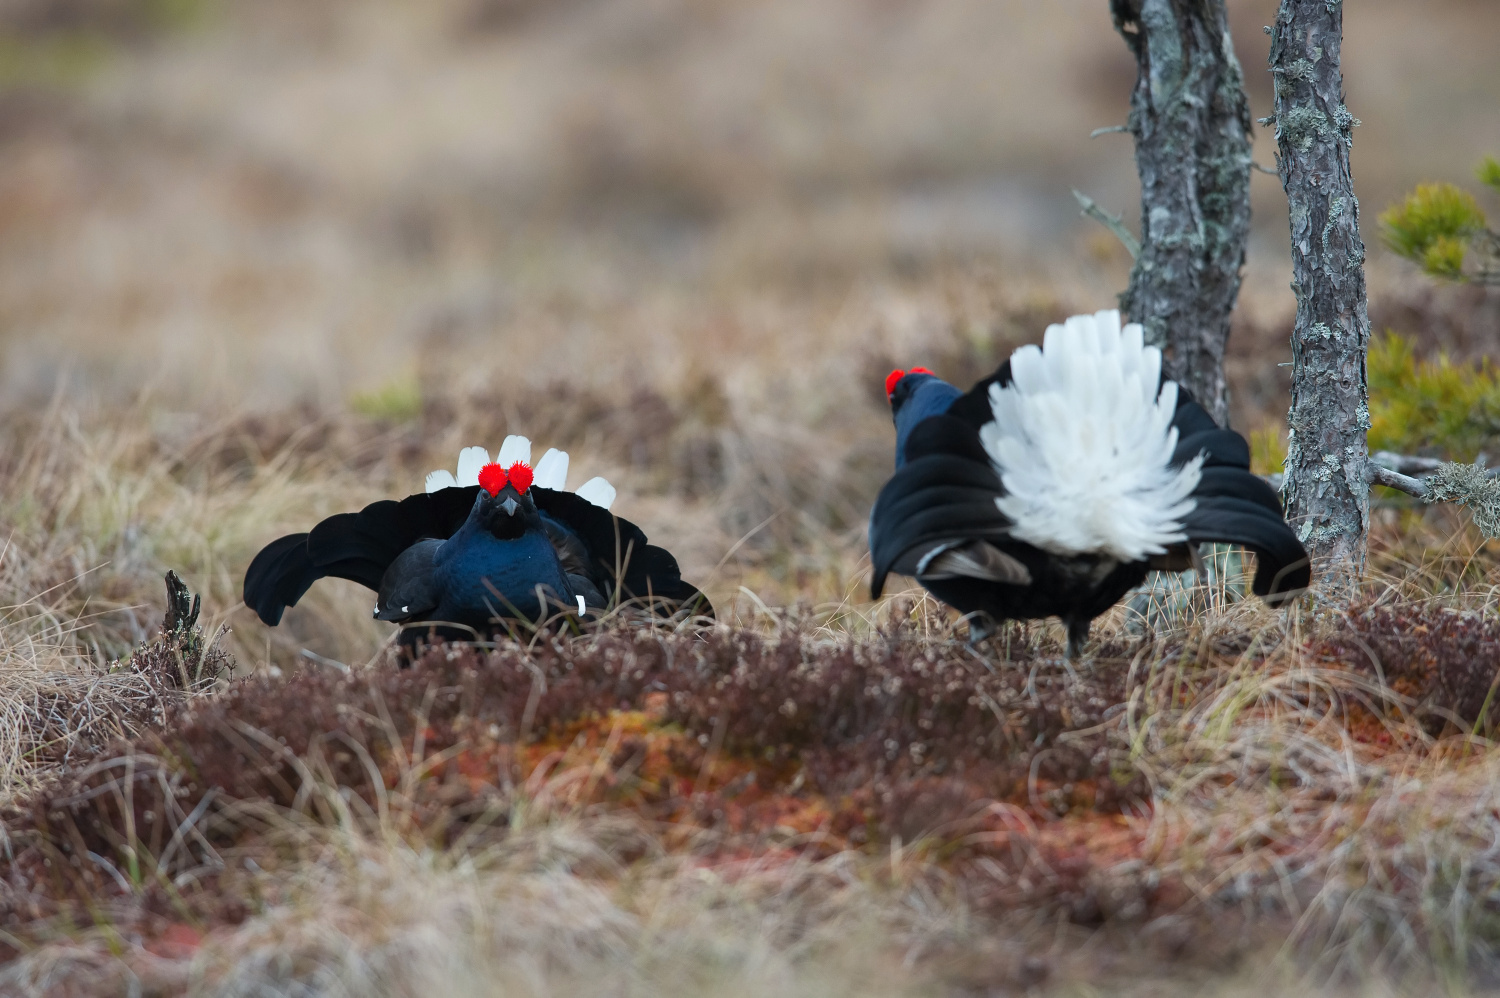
<point x="1082" y="441"/>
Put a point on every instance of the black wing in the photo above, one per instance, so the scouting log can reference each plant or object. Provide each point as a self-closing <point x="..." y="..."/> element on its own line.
<point x="932" y="500"/>
<point x="408" y="589"/>
<point x="615" y="554"/>
<point x="944" y="494"/>
<point x="1237" y="507"/>
<point x="1234" y="506"/>
<point x="361" y="546"/>
<point x="279" y="576"/>
<point x="354" y="546"/>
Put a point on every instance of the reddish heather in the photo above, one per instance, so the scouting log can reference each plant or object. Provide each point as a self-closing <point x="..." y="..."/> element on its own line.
<point x="729" y="745"/>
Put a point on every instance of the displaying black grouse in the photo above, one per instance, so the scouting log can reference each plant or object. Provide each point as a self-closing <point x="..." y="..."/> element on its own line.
<point x="1053" y="486"/>
<point x="509" y="542"/>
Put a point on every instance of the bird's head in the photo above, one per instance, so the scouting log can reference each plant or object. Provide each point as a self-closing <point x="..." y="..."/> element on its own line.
<point x="901" y="385"/>
<point x="504" y="504"/>
<point x="915" y="395"/>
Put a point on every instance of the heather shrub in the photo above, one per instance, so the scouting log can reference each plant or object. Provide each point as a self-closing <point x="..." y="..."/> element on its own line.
<point x="1446" y="661"/>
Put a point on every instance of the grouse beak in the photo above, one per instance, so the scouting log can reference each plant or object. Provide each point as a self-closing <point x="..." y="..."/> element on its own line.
<point x="510" y="506"/>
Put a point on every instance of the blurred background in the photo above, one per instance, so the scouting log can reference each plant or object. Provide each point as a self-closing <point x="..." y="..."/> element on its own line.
<point x="338" y="240"/>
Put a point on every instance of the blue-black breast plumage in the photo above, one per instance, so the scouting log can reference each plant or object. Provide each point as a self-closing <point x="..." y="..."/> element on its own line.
<point x="482" y="575"/>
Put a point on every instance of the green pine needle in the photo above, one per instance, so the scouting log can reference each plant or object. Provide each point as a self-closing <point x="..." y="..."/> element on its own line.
<point x="1432" y="227"/>
<point x="1444" y="257"/>
<point x="1489" y="172"/>
<point x="1420" y="404"/>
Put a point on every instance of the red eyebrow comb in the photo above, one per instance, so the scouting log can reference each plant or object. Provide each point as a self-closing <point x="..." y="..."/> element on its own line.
<point x="897" y="375"/>
<point x="492" y="478"/>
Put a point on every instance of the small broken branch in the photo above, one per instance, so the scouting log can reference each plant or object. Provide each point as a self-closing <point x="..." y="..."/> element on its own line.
<point x="1108" y="130"/>
<point x="1395" y="480"/>
<point x="1111" y="222"/>
<point x="182" y="606"/>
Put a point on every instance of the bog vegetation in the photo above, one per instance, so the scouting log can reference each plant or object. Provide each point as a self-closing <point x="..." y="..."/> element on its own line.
<point x="238" y="295"/>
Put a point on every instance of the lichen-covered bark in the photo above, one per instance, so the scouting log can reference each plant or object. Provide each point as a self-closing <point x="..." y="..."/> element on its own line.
<point x="1326" y="489"/>
<point x="1191" y="123"/>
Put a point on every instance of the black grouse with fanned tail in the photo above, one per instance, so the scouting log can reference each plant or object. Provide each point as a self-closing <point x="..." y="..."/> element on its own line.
<point x="464" y="557"/>
<point x="1056" y="496"/>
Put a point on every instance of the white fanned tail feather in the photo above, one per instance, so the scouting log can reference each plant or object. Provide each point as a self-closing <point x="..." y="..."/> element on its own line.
<point x="597" y="491"/>
<point x="515" y="448"/>
<point x="551" y="472"/>
<point x="1082" y="442"/>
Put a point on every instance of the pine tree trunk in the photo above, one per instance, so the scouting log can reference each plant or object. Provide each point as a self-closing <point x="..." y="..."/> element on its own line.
<point x="1191" y="123"/>
<point x="1326" y="489"/>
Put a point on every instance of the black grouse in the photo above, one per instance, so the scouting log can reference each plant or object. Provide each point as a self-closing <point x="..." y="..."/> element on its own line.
<point x="1053" y="486"/>
<point x="500" y="540"/>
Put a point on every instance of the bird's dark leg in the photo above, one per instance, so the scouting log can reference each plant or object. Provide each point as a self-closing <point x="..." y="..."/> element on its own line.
<point x="981" y="626"/>
<point x="1078" y="634"/>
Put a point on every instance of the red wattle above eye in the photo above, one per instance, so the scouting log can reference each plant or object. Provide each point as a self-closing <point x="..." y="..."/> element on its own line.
<point x="492" y="478"/>
<point x="919" y="370"/>
<point x="891" y="379"/>
<point x="520" y="477"/>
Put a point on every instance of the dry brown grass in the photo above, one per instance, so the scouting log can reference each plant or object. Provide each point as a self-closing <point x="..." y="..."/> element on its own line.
<point x="267" y="262"/>
<point x="644" y="808"/>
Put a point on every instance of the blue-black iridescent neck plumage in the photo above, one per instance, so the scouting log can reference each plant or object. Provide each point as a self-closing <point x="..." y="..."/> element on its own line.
<point x="916" y="397"/>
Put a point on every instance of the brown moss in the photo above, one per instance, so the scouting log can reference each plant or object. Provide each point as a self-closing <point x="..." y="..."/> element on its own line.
<point x="1446" y="660"/>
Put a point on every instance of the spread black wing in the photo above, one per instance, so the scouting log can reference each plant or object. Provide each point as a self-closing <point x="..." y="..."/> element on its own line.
<point x="1237" y="507"/>
<point x="361" y="546"/>
<point x="938" y="496"/>
<point x="616" y="555"/>
<point x="354" y="546"/>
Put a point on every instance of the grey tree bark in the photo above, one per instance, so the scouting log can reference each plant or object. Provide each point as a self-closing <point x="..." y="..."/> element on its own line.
<point x="1326" y="488"/>
<point x="1191" y="123"/>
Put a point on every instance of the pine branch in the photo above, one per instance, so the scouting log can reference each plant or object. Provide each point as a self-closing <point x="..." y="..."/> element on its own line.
<point x="1395" y="480"/>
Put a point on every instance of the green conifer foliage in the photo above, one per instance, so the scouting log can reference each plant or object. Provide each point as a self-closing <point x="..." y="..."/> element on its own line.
<point x="1441" y="228"/>
<point x="1489" y="172"/>
<point x="1418" y="405"/>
